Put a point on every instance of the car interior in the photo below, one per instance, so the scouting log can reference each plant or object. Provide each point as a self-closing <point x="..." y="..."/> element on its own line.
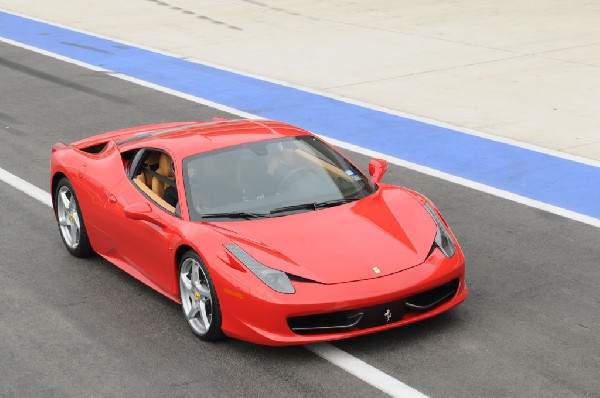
<point x="260" y="175"/>
<point x="156" y="179"/>
<point x="235" y="178"/>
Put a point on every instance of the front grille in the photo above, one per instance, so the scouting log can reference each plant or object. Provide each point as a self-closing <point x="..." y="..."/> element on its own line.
<point x="368" y="317"/>
<point x="361" y="318"/>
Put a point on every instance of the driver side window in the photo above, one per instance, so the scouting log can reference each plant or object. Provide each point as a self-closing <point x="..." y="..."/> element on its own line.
<point x="154" y="175"/>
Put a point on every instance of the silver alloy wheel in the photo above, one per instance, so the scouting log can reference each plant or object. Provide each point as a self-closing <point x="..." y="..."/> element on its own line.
<point x="196" y="298"/>
<point x="68" y="217"/>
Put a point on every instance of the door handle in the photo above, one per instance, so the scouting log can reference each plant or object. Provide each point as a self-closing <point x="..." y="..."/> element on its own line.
<point x="112" y="198"/>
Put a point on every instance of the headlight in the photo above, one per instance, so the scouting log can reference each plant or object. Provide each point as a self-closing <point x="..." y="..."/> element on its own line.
<point x="442" y="238"/>
<point x="275" y="279"/>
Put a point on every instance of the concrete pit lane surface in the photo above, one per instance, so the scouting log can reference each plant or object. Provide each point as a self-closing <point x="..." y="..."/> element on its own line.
<point x="72" y="327"/>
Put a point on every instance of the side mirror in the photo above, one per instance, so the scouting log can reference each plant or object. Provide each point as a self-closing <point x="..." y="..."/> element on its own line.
<point x="143" y="211"/>
<point x="377" y="168"/>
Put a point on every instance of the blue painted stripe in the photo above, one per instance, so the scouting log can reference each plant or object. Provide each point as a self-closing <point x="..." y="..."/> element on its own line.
<point x="556" y="181"/>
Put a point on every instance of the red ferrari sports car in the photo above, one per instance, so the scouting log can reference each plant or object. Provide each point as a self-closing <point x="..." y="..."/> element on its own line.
<point x="261" y="230"/>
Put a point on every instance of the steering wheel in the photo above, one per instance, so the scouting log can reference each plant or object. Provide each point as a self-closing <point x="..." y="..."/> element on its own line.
<point x="293" y="175"/>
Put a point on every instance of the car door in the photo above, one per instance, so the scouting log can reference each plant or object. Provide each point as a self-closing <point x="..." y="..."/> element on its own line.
<point x="144" y="245"/>
<point x="94" y="181"/>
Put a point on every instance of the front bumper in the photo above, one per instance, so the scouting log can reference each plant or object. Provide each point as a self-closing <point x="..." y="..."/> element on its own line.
<point x="263" y="318"/>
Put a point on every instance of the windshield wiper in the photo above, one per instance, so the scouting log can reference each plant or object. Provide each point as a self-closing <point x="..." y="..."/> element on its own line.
<point x="334" y="202"/>
<point x="236" y="214"/>
<point x="302" y="206"/>
<point x="312" y="205"/>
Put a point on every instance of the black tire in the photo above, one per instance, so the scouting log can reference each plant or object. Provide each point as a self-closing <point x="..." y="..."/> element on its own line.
<point x="214" y="331"/>
<point x="83" y="248"/>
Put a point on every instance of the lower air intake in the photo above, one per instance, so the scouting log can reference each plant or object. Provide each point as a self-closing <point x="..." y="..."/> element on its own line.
<point x="431" y="298"/>
<point x="325" y="323"/>
<point x="377" y="315"/>
<point x="361" y="318"/>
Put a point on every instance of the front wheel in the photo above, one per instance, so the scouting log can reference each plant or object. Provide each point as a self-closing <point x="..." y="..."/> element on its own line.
<point x="70" y="220"/>
<point x="199" y="300"/>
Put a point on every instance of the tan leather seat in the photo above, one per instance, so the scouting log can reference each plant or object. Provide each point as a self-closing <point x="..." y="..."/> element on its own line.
<point x="164" y="169"/>
<point x="151" y="161"/>
<point x="139" y="181"/>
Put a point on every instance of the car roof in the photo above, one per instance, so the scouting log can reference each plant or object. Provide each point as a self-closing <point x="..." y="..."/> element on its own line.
<point x="184" y="140"/>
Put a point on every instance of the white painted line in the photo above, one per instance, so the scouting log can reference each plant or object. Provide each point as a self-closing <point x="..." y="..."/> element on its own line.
<point x="466" y="130"/>
<point x="26" y="187"/>
<point x="469" y="184"/>
<point x="364" y="371"/>
<point x="144" y="83"/>
<point x="188" y="97"/>
<point x="367" y="152"/>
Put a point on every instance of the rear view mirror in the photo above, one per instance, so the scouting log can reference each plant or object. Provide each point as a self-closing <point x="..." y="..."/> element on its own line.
<point x="377" y="168"/>
<point x="143" y="212"/>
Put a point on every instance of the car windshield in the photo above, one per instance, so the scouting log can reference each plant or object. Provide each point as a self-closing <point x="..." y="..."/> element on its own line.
<point x="270" y="178"/>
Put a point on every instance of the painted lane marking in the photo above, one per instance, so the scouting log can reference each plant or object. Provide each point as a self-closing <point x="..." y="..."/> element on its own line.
<point x="26" y="187"/>
<point x="367" y="152"/>
<point x="364" y="371"/>
<point x="434" y="122"/>
<point x="536" y="175"/>
<point x="400" y="162"/>
<point x="340" y="358"/>
<point x="471" y="184"/>
<point x="156" y="87"/>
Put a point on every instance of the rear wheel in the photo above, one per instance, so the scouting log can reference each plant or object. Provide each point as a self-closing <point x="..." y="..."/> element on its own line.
<point x="70" y="220"/>
<point x="199" y="301"/>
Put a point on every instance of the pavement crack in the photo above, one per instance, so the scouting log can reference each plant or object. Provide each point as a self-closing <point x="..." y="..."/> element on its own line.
<point x="578" y="145"/>
<point x="425" y="72"/>
<point x="567" y="48"/>
<point x="425" y="36"/>
<point x="566" y="60"/>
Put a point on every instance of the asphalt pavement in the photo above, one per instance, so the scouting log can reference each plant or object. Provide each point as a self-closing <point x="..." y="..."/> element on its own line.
<point x="72" y="327"/>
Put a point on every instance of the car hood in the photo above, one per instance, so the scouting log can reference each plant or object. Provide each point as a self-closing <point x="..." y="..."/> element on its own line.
<point x="382" y="234"/>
